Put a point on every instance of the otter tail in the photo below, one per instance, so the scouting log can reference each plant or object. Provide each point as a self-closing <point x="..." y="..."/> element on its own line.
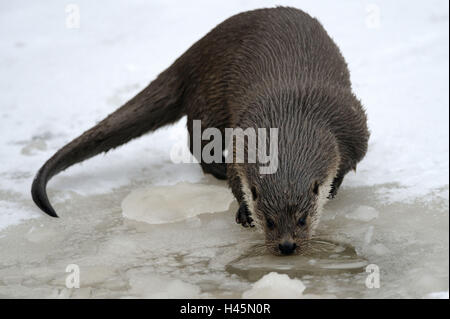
<point x="155" y="106"/>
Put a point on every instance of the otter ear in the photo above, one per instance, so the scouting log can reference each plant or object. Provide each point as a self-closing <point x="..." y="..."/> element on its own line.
<point x="315" y="188"/>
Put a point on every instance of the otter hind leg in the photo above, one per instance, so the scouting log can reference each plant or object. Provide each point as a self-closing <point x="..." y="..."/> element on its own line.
<point x="218" y="170"/>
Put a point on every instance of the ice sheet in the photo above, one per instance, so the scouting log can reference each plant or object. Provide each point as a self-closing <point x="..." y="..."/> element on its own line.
<point x="57" y="82"/>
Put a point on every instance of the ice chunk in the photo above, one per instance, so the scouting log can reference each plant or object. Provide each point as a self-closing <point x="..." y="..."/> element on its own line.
<point x="363" y="213"/>
<point x="166" y="204"/>
<point x="274" y="286"/>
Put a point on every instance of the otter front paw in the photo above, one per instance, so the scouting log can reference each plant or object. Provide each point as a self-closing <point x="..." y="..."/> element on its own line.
<point x="333" y="192"/>
<point x="243" y="216"/>
<point x="335" y="186"/>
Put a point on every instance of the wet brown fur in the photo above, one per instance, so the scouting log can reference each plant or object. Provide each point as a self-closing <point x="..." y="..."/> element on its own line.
<point x="265" y="68"/>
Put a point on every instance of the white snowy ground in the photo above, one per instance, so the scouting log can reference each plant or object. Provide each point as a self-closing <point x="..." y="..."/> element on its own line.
<point x="57" y="82"/>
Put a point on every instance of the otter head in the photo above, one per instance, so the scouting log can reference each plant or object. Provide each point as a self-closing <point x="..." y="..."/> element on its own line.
<point x="286" y="206"/>
<point x="289" y="216"/>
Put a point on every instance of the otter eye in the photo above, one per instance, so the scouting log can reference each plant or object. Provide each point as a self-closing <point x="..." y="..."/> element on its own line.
<point x="302" y="221"/>
<point x="316" y="188"/>
<point x="270" y="223"/>
<point x="254" y="193"/>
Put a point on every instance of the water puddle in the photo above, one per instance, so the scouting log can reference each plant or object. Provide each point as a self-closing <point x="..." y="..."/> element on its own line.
<point x="322" y="258"/>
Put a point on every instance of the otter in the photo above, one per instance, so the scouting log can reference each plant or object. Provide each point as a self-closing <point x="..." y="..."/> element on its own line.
<point x="266" y="68"/>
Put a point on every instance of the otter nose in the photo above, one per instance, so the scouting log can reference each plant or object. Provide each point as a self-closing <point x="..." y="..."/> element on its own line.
<point x="287" y="247"/>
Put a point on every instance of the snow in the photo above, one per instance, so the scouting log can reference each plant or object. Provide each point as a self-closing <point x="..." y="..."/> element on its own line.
<point x="57" y="82"/>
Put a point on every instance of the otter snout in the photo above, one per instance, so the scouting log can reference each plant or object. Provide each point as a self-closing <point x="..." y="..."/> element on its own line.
<point x="287" y="247"/>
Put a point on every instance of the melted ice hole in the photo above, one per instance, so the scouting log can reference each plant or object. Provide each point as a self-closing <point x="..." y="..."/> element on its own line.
<point x="322" y="258"/>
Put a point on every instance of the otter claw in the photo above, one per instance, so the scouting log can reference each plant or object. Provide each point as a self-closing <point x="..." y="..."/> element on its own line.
<point x="335" y="186"/>
<point x="333" y="193"/>
<point x="243" y="216"/>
